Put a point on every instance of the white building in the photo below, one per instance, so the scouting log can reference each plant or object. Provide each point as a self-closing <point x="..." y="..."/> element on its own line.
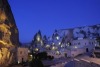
<point x="77" y="47"/>
<point x="22" y="54"/>
<point x="81" y="46"/>
<point x="56" y="54"/>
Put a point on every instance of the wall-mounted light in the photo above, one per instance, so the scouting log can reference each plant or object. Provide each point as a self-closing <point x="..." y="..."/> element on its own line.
<point x="57" y="37"/>
<point x="36" y="49"/>
<point x="59" y="43"/>
<point x="18" y="62"/>
<point x="47" y="46"/>
<point x="75" y="46"/>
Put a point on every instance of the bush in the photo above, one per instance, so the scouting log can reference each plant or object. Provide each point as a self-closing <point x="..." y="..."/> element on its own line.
<point x="50" y="57"/>
<point x="36" y="63"/>
<point x="42" y="55"/>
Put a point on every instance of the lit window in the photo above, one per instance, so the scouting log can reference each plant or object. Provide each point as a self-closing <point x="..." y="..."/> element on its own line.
<point x="57" y="37"/>
<point x="75" y="47"/>
<point x="18" y="62"/>
<point x="57" y="52"/>
<point x="36" y="49"/>
<point x="47" y="46"/>
<point x="59" y="43"/>
<point x="53" y="48"/>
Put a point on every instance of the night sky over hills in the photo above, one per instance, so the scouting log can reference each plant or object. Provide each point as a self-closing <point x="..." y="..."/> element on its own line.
<point x="48" y="15"/>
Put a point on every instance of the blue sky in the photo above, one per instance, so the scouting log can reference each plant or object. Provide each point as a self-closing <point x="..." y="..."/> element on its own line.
<point x="48" y="15"/>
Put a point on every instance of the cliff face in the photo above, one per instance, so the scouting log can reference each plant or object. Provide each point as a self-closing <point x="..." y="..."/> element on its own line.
<point x="8" y="29"/>
<point x="87" y="32"/>
<point x="9" y="37"/>
<point x="81" y="32"/>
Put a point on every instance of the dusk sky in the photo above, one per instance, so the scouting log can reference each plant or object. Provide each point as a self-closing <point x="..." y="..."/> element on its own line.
<point x="48" y="15"/>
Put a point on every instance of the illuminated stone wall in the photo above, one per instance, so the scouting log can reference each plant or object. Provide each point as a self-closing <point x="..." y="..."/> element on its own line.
<point x="8" y="29"/>
<point x="9" y="37"/>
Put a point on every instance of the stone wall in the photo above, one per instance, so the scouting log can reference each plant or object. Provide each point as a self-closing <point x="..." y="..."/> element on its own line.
<point x="9" y="36"/>
<point x="6" y="57"/>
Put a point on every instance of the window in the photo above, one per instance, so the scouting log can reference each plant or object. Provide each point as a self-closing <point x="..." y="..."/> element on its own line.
<point x="85" y="43"/>
<point x="20" y="52"/>
<point x="79" y="43"/>
<point x="92" y="42"/>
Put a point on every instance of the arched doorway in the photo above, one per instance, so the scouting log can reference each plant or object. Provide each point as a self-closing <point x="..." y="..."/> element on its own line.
<point x="65" y="54"/>
<point x="87" y="50"/>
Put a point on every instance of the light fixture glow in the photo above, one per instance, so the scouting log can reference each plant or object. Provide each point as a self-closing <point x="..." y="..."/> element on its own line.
<point x="75" y="47"/>
<point x="58" y="52"/>
<point x="59" y="43"/>
<point x="36" y="49"/>
<point x="47" y="46"/>
<point x="57" y="37"/>
<point x="18" y="62"/>
<point x="53" y="48"/>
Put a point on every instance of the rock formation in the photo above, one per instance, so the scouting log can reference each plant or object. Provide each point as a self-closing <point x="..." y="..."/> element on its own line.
<point x="9" y="36"/>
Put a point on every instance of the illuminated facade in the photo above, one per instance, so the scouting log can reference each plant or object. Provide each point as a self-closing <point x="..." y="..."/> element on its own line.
<point x="22" y="54"/>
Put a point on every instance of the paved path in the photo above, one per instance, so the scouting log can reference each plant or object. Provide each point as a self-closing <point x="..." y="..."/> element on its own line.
<point x="89" y="59"/>
<point x="56" y="61"/>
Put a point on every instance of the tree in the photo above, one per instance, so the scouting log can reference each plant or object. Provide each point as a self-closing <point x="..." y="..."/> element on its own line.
<point x="36" y="62"/>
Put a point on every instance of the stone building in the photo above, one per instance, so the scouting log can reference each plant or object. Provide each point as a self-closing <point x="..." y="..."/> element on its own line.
<point x="81" y="46"/>
<point x="22" y="54"/>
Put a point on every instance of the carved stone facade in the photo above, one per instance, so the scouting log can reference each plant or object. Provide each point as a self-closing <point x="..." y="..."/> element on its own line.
<point x="9" y="36"/>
